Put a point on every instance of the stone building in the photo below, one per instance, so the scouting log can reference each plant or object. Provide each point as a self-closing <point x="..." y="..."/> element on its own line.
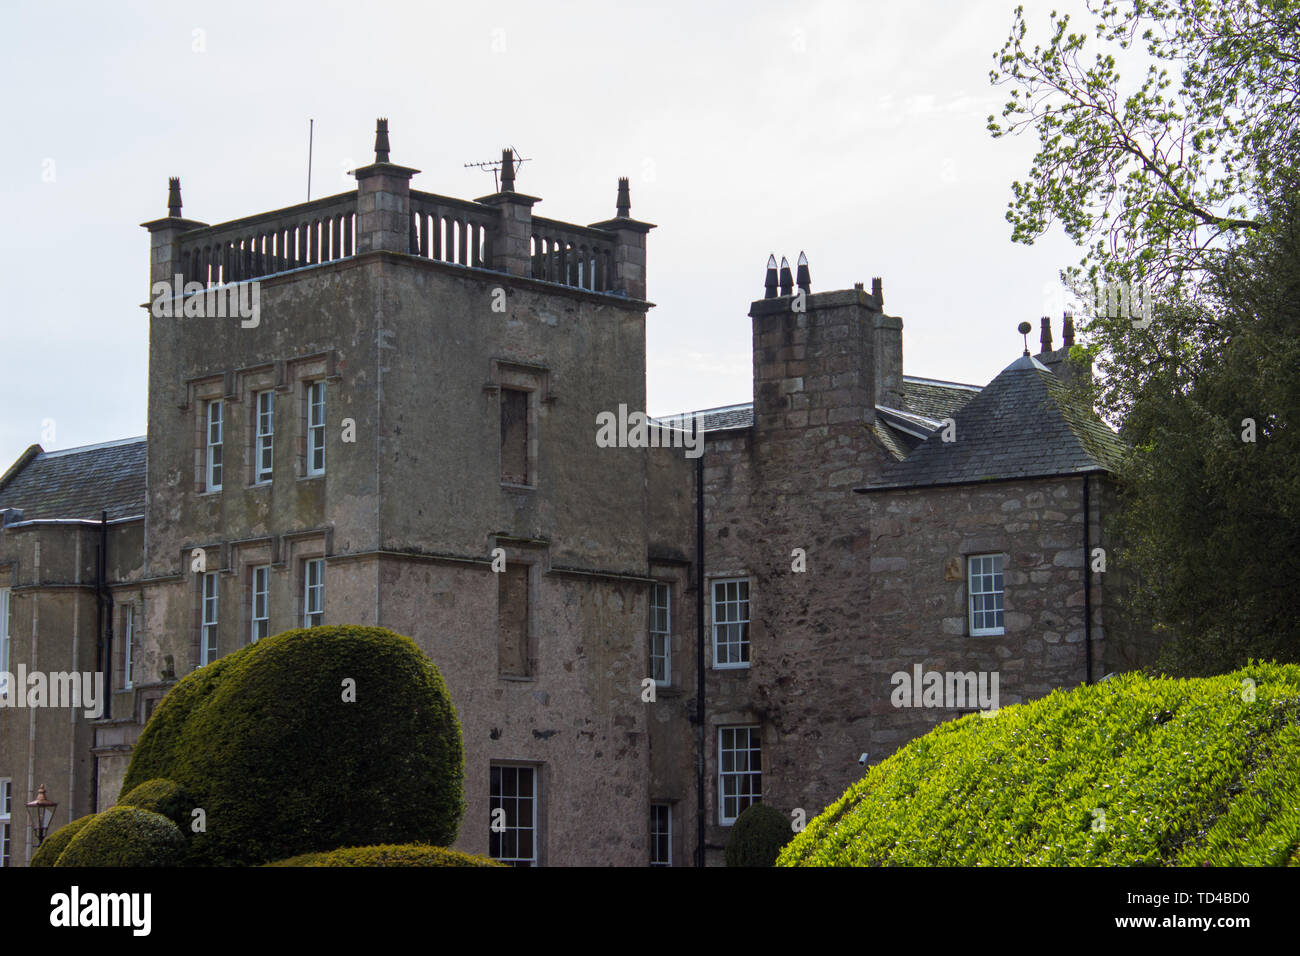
<point x="381" y="408"/>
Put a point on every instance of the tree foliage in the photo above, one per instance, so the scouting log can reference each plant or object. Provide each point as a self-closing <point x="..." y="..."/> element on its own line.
<point x="1181" y="189"/>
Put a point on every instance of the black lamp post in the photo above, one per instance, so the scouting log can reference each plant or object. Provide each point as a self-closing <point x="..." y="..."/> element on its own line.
<point x="41" y="810"/>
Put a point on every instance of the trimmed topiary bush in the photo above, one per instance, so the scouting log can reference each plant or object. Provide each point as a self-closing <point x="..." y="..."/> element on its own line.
<point x="162" y="796"/>
<point x="1133" y="771"/>
<point x="125" y="836"/>
<point x="47" y="854"/>
<point x="406" y="854"/>
<point x="757" y="836"/>
<point x="265" y="743"/>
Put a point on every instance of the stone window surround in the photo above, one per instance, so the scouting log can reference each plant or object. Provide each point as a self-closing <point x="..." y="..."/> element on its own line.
<point x="251" y="554"/>
<point x="252" y="383"/>
<point x="202" y="393"/>
<point x="536" y="381"/>
<point x="674" y="575"/>
<point x="201" y="580"/>
<point x="128" y="611"/>
<point x="238" y="385"/>
<point x="536" y="556"/>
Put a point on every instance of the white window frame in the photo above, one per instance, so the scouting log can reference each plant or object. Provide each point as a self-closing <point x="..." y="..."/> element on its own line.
<point x="128" y="642"/>
<point x="498" y="800"/>
<point x="264" y="442"/>
<point x="656" y="833"/>
<point x="215" y="426"/>
<point x="661" y="633"/>
<point x="211" y="603"/>
<point x="6" y="642"/>
<point x="727" y="613"/>
<point x="315" y="427"/>
<point x="984" y="579"/>
<point x="752" y="744"/>
<point x="6" y="816"/>
<point x="262" y="571"/>
<point x="312" y="608"/>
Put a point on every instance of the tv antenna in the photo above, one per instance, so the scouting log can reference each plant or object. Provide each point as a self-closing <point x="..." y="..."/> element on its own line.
<point x="495" y="166"/>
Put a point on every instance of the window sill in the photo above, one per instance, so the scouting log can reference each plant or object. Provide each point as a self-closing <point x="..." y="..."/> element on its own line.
<point x="516" y="678"/>
<point x="732" y="667"/>
<point x="515" y="486"/>
<point x="1000" y="632"/>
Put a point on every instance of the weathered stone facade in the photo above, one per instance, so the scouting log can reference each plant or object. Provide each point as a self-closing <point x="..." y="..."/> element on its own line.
<point x="419" y="314"/>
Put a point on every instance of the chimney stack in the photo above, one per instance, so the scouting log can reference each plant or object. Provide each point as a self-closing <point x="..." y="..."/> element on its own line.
<point x="1067" y="331"/>
<point x="174" y="197"/>
<point x="381" y="140"/>
<point x="507" y="170"/>
<point x="878" y="291"/>
<point x="624" y="205"/>
<point x="769" y="281"/>
<point x="787" y="280"/>
<point x="1045" y="336"/>
<point x="803" y="279"/>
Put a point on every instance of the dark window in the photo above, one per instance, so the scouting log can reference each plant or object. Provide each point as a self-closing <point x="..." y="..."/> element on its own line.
<point x="514" y="436"/>
<point x="512" y="837"/>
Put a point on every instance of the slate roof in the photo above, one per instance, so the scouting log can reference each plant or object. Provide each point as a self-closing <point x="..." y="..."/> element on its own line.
<point x="928" y="402"/>
<point x="78" y="482"/>
<point x="935" y="399"/>
<point x="1022" y="424"/>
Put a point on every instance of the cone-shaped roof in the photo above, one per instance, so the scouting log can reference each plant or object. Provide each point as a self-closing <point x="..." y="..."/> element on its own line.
<point x="1023" y="424"/>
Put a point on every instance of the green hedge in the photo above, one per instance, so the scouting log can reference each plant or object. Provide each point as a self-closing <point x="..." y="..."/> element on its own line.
<point x="125" y="836"/>
<point x="162" y="796"/>
<point x="263" y="741"/>
<point x="757" y="836"/>
<point x="47" y="854"/>
<point x="408" y="854"/>
<point x="1132" y="771"/>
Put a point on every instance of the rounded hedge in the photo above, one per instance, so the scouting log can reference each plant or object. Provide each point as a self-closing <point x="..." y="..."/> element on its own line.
<point x="1131" y="771"/>
<point x="125" y="836"/>
<point x="757" y="836"/>
<point x="265" y="743"/>
<point x="160" y="795"/>
<point x="406" y="854"/>
<point x="47" y="854"/>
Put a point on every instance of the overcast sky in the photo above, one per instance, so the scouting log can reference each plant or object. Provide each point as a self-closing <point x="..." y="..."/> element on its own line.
<point x="854" y="131"/>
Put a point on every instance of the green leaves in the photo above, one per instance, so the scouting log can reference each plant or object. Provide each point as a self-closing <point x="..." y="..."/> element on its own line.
<point x="1085" y="778"/>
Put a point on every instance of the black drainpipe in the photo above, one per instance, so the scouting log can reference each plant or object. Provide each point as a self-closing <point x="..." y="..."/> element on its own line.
<point x="699" y="651"/>
<point x="106" y="604"/>
<point x="1087" y="587"/>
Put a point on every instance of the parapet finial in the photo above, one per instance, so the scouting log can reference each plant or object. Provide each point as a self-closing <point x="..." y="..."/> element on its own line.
<point x="1024" y="328"/>
<point x="174" y="197"/>
<point x="381" y="140"/>
<point x="878" y="290"/>
<point x="769" y="281"/>
<point x="624" y="208"/>
<point x="507" y="170"/>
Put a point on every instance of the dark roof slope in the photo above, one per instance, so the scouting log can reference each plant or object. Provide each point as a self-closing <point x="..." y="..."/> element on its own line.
<point x="78" y="482"/>
<point x="934" y="399"/>
<point x="1022" y="424"/>
<point x="925" y="397"/>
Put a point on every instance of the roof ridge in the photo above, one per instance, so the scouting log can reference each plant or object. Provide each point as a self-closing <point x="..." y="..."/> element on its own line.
<point x="115" y="443"/>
